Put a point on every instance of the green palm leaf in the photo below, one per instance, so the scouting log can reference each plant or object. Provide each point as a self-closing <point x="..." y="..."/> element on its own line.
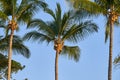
<point x="78" y="32"/>
<point x="3" y="16"/>
<point x="87" y="5"/>
<point x="25" y="12"/>
<point x="64" y="22"/>
<point x="49" y="11"/>
<point x="107" y="32"/>
<point x="18" y="47"/>
<point x="16" y="66"/>
<point x="36" y="36"/>
<point x="117" y="61"/>
<point x="40" y="25"/>
<point x="73" y="52"/>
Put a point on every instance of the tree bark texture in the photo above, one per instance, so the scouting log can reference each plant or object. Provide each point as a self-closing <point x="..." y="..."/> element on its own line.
<point x="56" y="65"/>
<point x="10" y="55"/>
<point x="110" y="51"/>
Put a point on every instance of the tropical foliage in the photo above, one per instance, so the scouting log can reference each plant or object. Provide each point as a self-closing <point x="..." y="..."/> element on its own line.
<point x="58" y="30"/>
<point x="111" y="10"/>
<point x="19" y="13"/>
<point x="117" y="61"/>
<point x="16" y="66"/>
<point x="69" y="27"/>
<point x="18" y="48"/>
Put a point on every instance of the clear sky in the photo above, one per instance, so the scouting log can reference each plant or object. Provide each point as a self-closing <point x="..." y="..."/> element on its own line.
<point x="93" y="63"/>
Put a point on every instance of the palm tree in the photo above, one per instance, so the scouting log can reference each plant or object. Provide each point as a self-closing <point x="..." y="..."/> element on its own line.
<point x="20" y="13"/>
<point x="59" y="30"/>
<point x="18" y="48"/>
<point x="111" y="10"/>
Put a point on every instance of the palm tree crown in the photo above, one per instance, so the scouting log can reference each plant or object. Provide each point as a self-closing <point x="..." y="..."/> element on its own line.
<point x="100" y="7"/>
<point x="60" y="29"/>
<point x="111" y="10"/>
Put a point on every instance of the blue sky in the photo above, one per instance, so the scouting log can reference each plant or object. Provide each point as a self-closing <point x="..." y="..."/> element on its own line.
<point x="93" y="62"/>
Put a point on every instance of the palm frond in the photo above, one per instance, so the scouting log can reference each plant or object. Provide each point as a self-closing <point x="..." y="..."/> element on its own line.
<point x="16" y="66"/>
<point x="78" y="32"/>
<point x="73" y="52"/>
<point x="2" y="24"/>
<point x="79" y="15"/>
<point x="18" y="46"/>
<point x="117" y="23"/>
<point x="46" y="28"/>
<point x="50" y="12"/>
<point x="107" y="31"/>
<point x="14" y="4"/>
<point x="117" y="61"/>
<point x="3" y="15"/>
<point x="28" y="8"/>
<point x="37" y="23"/>
<point x="106" y="5"/>
<point x="21" y="49"/>
<point x="36" y="36"/>
<point x="88" y="5"/>
<point x="6" y="6"/>
<point x="64" y="22"/>
<point x="3" y="61"/>
<point x="16" y="39"/>
<point x="58" y="16"/>
<point x="117" y="8"/>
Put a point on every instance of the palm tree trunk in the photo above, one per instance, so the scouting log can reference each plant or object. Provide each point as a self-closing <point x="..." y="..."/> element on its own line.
<point x="110" y="51"/>
<point x="56" y="65"/>
<point x="10" y="55"/>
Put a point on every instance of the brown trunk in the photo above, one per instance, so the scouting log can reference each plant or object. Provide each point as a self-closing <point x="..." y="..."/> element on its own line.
<point x="10" y="55"/>
<point x="56" y="65"/>
<point x="110" y="50"/>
